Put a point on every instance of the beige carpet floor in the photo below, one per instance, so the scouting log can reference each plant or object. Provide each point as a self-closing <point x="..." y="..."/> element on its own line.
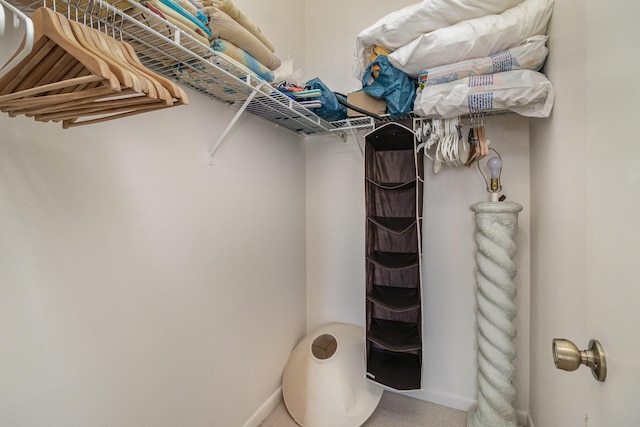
<point x="394" y="410"/>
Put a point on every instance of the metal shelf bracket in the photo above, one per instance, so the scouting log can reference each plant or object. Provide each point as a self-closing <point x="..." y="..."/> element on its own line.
<point x="232" y="123"/>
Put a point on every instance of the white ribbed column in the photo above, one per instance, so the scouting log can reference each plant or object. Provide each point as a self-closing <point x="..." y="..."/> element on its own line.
<point x="496" y="224"/>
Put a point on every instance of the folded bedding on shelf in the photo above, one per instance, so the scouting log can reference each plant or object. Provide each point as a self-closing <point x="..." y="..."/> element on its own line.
<point x="474" y="38"/>
<point x="311" y="103"/>
<point x="307" y="94"/>
<point x="182" y="13"/>
<point x="156" y="48"/>
<point x="529" y="55"/>
<point x="243" y="57"/>
<point x="177" y="19"/>
<point x="240" y="17"/>
<point x="193" y="9"/>
<point x="402" y="26"/>
<point x="528" y="93"/>
<point x="225" y="27"/>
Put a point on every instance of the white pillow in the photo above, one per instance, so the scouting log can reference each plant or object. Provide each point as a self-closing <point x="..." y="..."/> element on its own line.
<point x="473" y="38"/>
<point x="402" y="26"/>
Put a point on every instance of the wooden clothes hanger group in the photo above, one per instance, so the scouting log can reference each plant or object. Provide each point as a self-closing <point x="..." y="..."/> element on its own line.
<point x="478" y="142"/>
<point x="78" y="75"/>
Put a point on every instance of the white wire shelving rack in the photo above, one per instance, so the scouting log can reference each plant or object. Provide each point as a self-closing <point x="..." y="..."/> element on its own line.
<point x="177" y="55"/>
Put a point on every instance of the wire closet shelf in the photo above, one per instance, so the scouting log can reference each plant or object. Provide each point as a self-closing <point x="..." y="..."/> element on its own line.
<point x="177" y="55"/>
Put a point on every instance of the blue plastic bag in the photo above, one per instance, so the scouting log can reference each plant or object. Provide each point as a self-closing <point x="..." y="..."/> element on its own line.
<point x="331" y="109"/>
<point x="392" y="85"/>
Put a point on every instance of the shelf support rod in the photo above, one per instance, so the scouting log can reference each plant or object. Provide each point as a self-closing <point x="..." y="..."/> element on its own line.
<point x="355" y="140"/>
<point x="232" y="123"/>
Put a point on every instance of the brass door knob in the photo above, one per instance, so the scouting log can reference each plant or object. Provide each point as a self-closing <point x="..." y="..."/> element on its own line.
<point x="567" y="357"/>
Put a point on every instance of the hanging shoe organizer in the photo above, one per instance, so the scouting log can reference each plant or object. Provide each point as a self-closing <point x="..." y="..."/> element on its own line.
<point x="393" y="192"/>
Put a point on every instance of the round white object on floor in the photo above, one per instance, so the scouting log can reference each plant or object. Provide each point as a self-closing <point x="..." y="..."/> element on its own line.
<point x="324" y="382"/>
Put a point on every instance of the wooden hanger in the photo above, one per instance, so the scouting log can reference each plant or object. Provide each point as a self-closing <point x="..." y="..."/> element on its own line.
<point x="47" y="37"/>
<point x="128" y="54"/>
<point x="478" y="142"/>
<point x="483" y="143"/>
<point x="474" y="150"/>
<point x="64" y="79"/>
<point x="125" y="77"/>
<point x="108" y="47"/>
<point x="175" y="90"/>
<point x="33" y="76"/>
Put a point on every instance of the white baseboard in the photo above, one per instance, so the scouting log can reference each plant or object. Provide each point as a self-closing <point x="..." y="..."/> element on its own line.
<point x="529" y="421"/>
<point x="523" y="418"/>
<point x="266" y="408"/>
<point x="462" y="403"/>
<point x="440" y="398"/>
<point x="449" y="400"/>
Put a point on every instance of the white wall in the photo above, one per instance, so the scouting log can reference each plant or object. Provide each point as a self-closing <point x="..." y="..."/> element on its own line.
<point x="336" y="223"/>
<point x="282" y="21"/>
<point x="558" y="252"/>
<point x="138" y="284"/>
<point x="335" y="251"/>
<point x="613" y="179"/>
<point x="584" y="286"/>
<point x="330" y="32"/>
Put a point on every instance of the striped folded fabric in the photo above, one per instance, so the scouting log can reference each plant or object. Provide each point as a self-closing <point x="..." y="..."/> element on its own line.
<point x="224" y="27"/>
<point x="530" y="55"/>
<point x="243" y="57"/>
<point x="240" y="17"/>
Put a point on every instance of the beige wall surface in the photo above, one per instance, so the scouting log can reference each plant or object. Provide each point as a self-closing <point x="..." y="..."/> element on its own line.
<point x="558" y="241"/>
<point x="140" y="285"/>
<point x="336" y="223"/>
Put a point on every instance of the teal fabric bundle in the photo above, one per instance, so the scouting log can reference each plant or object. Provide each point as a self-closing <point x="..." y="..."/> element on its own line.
<point x="392" y="85"/>
<point x="193" y="19"/>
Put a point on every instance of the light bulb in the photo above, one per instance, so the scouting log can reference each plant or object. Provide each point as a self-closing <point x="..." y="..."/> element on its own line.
<point x="495" y="167"/>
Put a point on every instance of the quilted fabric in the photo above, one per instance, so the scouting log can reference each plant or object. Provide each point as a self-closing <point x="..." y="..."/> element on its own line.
<point x="225" y="27"/>
<point x="239" y="16"/>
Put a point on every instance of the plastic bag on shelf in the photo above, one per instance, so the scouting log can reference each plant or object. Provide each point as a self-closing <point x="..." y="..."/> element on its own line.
<point x="391" y="84"/>
<point x="528" y="93"/>
<point x="288" y="73"/>
<point x="331" y="110"/>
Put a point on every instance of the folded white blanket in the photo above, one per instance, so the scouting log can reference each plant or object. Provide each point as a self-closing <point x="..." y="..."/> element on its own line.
<point x="528" y="93"/>
<point x="474" y="38"/>
<point x="402" y="26"/>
